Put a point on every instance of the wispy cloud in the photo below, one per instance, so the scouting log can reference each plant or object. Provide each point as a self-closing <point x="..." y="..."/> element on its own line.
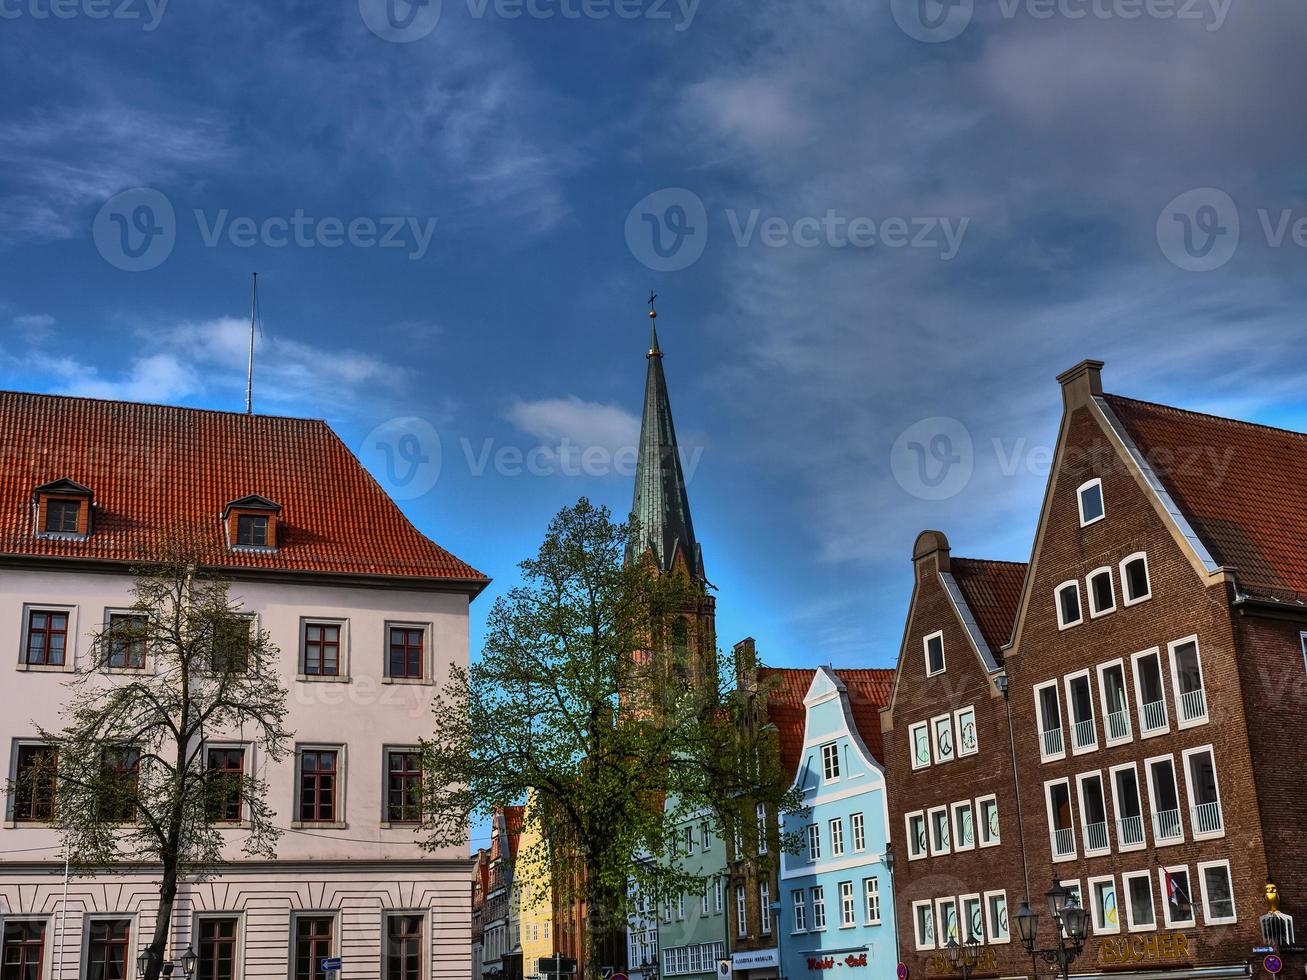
<point x="581" y="423"/>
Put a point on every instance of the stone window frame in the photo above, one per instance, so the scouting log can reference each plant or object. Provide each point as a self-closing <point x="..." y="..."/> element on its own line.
<point x="1095" y="483"/>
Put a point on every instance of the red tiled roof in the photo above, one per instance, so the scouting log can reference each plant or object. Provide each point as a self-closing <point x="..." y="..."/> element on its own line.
<point x="513" y="822"/>
<point x="1240" y="486"/>
<point x="868" y="691"/>
<point x="151" y="465"/>
<point x="992" y="590"/>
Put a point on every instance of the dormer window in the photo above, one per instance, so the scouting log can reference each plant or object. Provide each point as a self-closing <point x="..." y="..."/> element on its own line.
<point x="251" y="523"/>
<point x="63" y="510"/>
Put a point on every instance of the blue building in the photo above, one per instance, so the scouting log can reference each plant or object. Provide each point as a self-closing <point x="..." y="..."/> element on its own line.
<point x="837" y="910"/>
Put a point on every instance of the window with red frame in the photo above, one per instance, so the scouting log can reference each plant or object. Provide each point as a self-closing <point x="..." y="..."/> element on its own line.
<point x="225" y="775"/>
<point x="321" y="649"/>
<point x="406" y="652"/>
<point x="47" y="638"/>
<point x="126" y="642"/>
<point x="106" y="957"/>
<point x="403" y="787"/>
<point x="312" y="945"/>
<point x="318" y="785"/>
<point x="61" y="516"/>
<point x="23" y="956"/>
<point x="217" y="949"/>
<point x="121" y="778"/>
<point x="36" y="779"/>
<point x="404" y="947"/>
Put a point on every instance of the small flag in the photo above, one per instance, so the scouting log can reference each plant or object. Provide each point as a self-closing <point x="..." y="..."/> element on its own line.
<point x="1173" y="890"/>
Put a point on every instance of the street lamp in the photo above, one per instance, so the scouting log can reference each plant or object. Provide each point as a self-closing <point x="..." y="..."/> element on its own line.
<point x="1069" y="922"/>
<point x="964" y="956"/>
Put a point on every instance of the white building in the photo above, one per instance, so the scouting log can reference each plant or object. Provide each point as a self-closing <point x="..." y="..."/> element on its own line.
<point x="369" y="616"/>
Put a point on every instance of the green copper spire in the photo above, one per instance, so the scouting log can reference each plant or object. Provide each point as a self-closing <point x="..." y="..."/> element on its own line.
<point x="661" y="503"/>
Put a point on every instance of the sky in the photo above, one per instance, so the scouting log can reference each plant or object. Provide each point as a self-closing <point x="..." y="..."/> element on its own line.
<point x="878" y="229"/>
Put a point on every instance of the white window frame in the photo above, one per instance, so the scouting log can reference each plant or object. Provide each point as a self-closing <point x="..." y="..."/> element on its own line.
<point x="1048" y="813"/>
<point x="687" y="839"/>
<point x="1072" y="885"/>
<point x="1117" y="815"/>
<point x="1102" y="669"/>
<point x="1080" y="502"/>
<point x="1152" y="798"/>
<point x="1302" y="642"/>
<point x="936" y="756"/>
<point x="718" y="894"/>
<point x="947" y="848"/>
<point x="912" y="744"/>
<point x="1041" y="722"/>
<point x="912" y="838"/>
<point x="703" y="900"/>
<point x="858" y="826"/>
<point x="1180" y="721"/>
<point x="1103" y="929"/>
<point x="964" y="920"/>
<point x="741" y="912"/>
<point x="760" y="814"/>
<point x="814" y="842"/>
<point x="835" y="827"/>
<point x="1094" y="611"/>
<point x="1062" y="622"/>
<point x="848" y="906"/>
<point x="799" y="900"/>
<point x="1081" y="779"/>
<point x="1135" y="658"/>
<point x="941" y="929"/>
<point x="982" y="839"/>
<point x="1208" y="918"/>
<point x="764" y="906"/>
<point x="830" y="762"/>
<point x="994" y="938"/>
<point x="870" y="892"/>
<point x="1189" y="791"/>
<point x="1126" y="878"/>
<point x="1071" y="714"/>
<point x="929" y="906"/>
<point x="1166" y="902"/>
<point x="1126" y="600"/>
<point x="956" y="836"/>
<point x="818" y="893"/>
<point x="959" y="747"/>
<point x="925" y="650"/>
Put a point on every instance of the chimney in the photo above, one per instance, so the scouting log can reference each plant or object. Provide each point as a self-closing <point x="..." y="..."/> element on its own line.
<point x="931" y="552"/>
<point x="1081" y="383"/>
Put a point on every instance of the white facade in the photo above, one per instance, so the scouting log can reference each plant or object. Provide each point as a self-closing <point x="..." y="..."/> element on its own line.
<point x="350" y="873"/>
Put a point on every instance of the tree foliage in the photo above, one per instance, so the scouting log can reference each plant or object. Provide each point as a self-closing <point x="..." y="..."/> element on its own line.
<point x="588" y="692"/>
<point x="132" y="782"/>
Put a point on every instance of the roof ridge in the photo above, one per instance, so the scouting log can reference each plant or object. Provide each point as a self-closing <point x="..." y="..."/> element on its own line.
<point x="176" y="408"/>
<point x="992" y="561"/>
<point x="1207" y="415"/>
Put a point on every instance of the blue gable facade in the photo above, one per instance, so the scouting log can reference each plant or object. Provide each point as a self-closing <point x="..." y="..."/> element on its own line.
<point x="837" y="917"/>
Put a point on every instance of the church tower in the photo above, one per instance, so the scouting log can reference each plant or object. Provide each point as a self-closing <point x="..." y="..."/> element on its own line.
<point x="662" y="506"/>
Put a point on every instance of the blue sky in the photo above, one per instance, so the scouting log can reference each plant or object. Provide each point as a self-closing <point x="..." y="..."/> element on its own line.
<point x="855" y="233"/>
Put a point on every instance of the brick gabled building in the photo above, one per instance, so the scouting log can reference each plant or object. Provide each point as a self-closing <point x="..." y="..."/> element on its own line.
<point x="953" y="812"/>
<point x="1155" y="674"/>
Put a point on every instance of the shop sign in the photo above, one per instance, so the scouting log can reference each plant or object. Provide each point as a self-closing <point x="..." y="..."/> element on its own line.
<point x="754" y="959"/>
<point x="831" y="963"/>
<point x="1144" y="949"/>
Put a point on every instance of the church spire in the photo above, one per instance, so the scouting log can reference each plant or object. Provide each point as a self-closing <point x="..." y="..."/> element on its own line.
<point x="661" y="503"/>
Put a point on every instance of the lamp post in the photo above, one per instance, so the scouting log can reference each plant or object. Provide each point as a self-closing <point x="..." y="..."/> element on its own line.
<point x="964" y="956"/>
<point x="186" y="961"/>
<point x="780" y="929"/>
<point x="1069" y="922"/>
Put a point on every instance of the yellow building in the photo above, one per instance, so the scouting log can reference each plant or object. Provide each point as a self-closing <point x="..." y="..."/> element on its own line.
<point x="532" y="893"/>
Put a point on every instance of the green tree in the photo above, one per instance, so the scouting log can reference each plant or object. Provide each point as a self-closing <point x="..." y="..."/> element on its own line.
<point x="185" y="666"/>
<point x="583" y="693"/>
